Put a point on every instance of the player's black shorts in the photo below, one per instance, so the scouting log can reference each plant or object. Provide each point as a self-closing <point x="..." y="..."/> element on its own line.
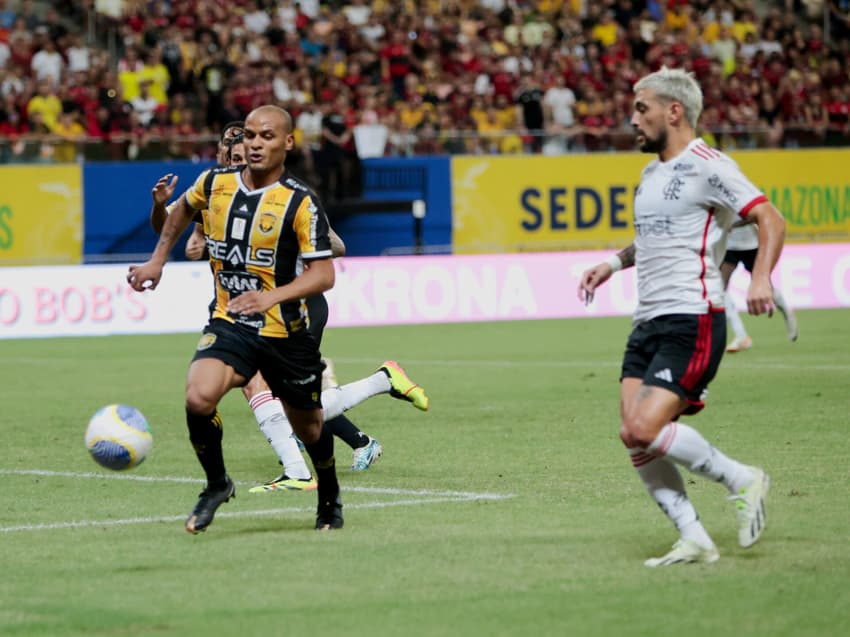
<point x="679" y="352"/>
<point x="291" y="366"/>
<point x="747" y="257"/>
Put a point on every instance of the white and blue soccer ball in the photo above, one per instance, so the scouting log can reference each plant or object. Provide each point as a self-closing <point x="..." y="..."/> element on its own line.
<point x="118" y="437"/>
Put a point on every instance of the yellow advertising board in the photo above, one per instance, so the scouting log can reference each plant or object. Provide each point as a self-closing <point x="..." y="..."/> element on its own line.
<point x="584" y="202"/>
<point x="811" y="188"/>
<point x="41" y="215"/>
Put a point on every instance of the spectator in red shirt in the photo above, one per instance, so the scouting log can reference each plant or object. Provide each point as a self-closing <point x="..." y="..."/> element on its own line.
<point x="396" y="61"/>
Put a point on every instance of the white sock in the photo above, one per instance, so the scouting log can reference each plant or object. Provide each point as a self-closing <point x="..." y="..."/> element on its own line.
<point x="337" y="400"/>
<point x="734" y="318"/>
<point x="779" y="300"/>
<point x="684" y="445"/>
<point x="664" y="483"/>
<point x="276" y="428"/>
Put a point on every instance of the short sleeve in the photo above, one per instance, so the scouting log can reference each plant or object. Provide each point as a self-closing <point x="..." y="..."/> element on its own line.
<point x="727" y="187"/>
<point x="196" y="195"/>
<point x="311" y="228"/>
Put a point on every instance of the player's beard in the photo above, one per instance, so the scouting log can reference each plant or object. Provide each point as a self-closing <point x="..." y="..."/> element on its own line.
<point x="654" y="145"/>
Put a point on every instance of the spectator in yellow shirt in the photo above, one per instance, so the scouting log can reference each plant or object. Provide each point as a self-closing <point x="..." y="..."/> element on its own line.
<point x="676" y="17"/>
<point x="478" y="111"/>
<point x="744" y="24"/>
<point x="507" y="113"/>
<point x="129" y="68"/>
<point x="71" y="135"/>
<point x="45" y="102"/>
<point x="494" y="137"/>
<point x="412" y="112"/>
<point x="605" y="31"/>
<point x="157" y="74"/>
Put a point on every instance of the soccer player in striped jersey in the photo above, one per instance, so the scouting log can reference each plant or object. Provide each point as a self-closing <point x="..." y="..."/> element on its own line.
<point x="268" y="410"/>
<point x="687" y="200"/>
<point x="258" y="222"/>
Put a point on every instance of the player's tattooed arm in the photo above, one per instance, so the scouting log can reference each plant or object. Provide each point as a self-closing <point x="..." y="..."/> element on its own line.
<point x="627" y="255"/>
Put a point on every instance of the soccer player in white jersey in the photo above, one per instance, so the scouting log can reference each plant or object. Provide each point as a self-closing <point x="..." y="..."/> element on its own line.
<point x="742" y="247"/>
<point x="687" y="200"/>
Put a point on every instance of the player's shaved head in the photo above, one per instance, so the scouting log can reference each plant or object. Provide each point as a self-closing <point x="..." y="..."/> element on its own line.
<point x="268" y="137"/>
<point x="272" y="115"/>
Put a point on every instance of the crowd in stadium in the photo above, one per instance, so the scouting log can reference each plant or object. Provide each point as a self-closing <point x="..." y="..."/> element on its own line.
<point x="409" y="77"/>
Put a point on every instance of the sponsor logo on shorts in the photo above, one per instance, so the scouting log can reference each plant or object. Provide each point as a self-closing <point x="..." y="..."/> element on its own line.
<point x="206" y="341"/>
<point x="304" y="381"/>
<point x="665" y="374"/>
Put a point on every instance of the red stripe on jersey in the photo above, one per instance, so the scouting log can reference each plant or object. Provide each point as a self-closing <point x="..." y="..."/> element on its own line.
<point x="702" y="349"/>
<point x="746" y="209"/>
<point x="711" y="151"/>
<point x="702" y="253"/>
<point x="703" y="150"/>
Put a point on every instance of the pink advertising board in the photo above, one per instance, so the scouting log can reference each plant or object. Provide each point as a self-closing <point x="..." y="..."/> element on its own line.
<point x="95" y="300"/>
<point x="423" y="289"/>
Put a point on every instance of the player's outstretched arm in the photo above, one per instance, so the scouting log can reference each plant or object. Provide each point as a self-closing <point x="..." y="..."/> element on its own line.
<point x="593" y="277"/>
<point x="161" y="193"/>
<point x="771" y="226"/>
<point x="196" y="244"/>
<point x="147" y="276"/>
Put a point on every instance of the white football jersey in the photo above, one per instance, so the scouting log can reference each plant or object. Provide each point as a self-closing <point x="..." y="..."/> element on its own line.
<point x="684" y="208"/>
<point x="743" y="237"/>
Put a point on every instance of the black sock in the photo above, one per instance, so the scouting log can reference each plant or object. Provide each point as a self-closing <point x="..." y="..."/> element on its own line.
<point x="205" y="435"/>
<point x="347" y="431"/>
<point x="322" y="454"/>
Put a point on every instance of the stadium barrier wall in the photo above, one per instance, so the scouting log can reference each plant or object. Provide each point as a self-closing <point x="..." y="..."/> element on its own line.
<point x="41" y="215"/>
<point x="117" y="204"/>
<point x="96" y="300"/>
<point x="475" y="204"/>
<point x="408" y="178"/>
<point x="581" y="202"/>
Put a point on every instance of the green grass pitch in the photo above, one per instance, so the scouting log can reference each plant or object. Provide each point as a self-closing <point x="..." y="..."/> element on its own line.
<point x="510" y="508"/>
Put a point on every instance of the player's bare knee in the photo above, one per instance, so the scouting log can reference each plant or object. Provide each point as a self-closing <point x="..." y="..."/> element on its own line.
<point x="639" y="431"/>
<point x="626" y="438"/>
<point x="199" y="403"/>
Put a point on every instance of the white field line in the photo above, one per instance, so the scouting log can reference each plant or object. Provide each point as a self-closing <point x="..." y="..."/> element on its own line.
<point x="199" y="481"/>
<point x="244" y="514"/>
<point x="421" y="497"/>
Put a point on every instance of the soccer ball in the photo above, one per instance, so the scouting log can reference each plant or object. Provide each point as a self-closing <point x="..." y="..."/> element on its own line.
<point x="118" y="437"/>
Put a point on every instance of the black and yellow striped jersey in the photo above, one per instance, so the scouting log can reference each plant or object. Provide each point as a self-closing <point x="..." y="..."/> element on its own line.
<point x="255" y="239"/>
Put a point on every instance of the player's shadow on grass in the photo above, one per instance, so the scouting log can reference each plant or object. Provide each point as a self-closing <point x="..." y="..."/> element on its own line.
<point x="274" y="525"/>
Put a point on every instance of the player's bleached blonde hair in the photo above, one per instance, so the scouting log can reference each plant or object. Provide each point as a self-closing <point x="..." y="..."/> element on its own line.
<point x="678" y="86"/>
